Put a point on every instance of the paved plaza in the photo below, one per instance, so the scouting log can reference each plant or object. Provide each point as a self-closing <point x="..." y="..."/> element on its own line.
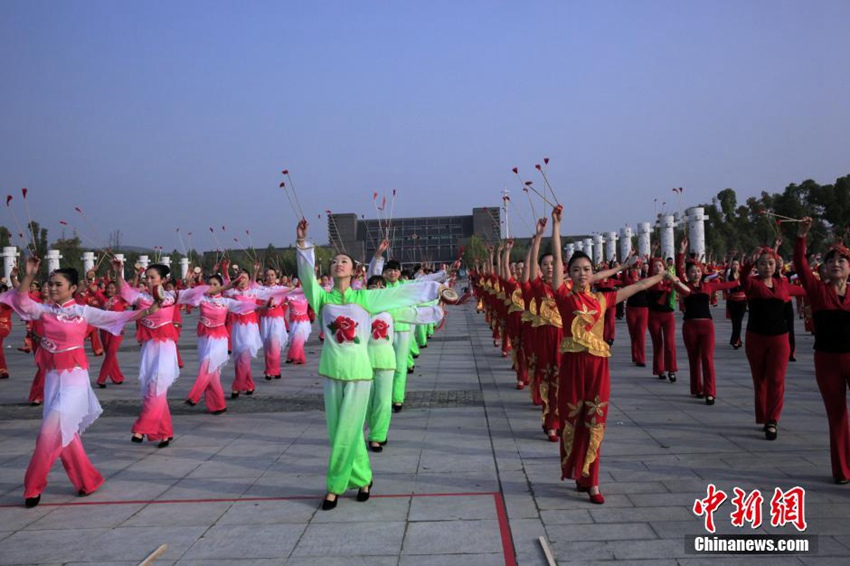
<point x="467" y="477"/>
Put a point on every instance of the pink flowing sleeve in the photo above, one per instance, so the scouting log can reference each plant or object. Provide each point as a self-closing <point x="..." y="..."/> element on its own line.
<point x="22" y="304"/>
<point x="111" y="321"/>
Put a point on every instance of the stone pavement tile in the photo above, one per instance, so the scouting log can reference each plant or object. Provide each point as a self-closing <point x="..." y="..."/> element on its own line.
<point x="577" y="551"/>
<point x="453" y="508"/>
<point x="92" y="516"/>
<point x="269" y="512"/>
<point x="117" y="563"/>
<point x="344" y="539"/>
<point x="696" y="526"/>
<point x="395" y="484"/>
<point x="28" y="547"/>
<point x="245" y="542"/>
<point x="231" y="562"/>
<point x="395" y="460"/>
<point x="607" y="532"/>
<point x="520" y="505"/>
<point x="138" y="542"/>
<point x="640" y="514"/>
<point x="653" y="500"/>
<point x="206" y="489"/>
<point x="365" y="560"/>
<point x="378" y="509"/>
<point x="453" y="560"/>
<point x="566" y="517"/>
<point x="474" y="482"/>
<point x="453" y="463"/>
<point x="178" y="514"/>
<point x="281" y="484"/>
<point x="452" y="537"/>
<point x="572" y="500"/>
<point x="140" y="489"/>
<point x="824" y="560"/>
<point x="628" y="488"/>
<point x="18" y="517"/>
<point x="150" y="468"/>
<point x="741" y="560"/>
<point x="247" y="469"/>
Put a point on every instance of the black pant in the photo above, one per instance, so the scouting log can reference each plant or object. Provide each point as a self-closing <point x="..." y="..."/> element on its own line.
<point x="737" y="310"/>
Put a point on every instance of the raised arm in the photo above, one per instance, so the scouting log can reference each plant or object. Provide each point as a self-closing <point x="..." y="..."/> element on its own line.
<point x="557" y="257"/>
<point x="642" y="285"/>
<point x="804" y="270"/>
<point x="533" y="267"/>
<point x="527" y="265"/>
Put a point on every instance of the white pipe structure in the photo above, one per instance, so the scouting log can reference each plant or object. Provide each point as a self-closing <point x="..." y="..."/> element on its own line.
<point x="695" y="217"/>
<point x="184" y="267"/>
<point x="569" y="250"/>
<point x="598" y="248"/>
<point x="666" y="224"/>
<point x="10" y="259"/>
<point x="579" y="246"/>
<point x="119" y="258"/>
<point x="53" y="257"/>
<point x="588" y="247"/>
<point x="165" y="260"/>
<point x="644" y="244"/>
<point x="625" y="242"/>
<point x="88" y="261"/>
<point x="144" y="261"/>
<point x="611" y="246"/>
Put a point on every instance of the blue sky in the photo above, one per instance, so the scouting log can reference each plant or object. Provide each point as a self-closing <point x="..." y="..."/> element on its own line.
<point x="154" y="116"/>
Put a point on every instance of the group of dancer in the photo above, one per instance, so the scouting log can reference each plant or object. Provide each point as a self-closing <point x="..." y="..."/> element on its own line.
<point x="368" y="338"/>
<point x="558" y="325"/>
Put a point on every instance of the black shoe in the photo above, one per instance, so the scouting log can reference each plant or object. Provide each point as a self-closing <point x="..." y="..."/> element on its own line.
<point x="662" y="376"/>
<point x="384" y="443"/>
<point x="165" y="443"/>
<point x="83" y="493"/>
<point x="609" y="342"/>
<point x="268" y="378"/>
<point x="364" y="495"/>
<point x="251" y="392"/>
<point x="640" y="364"/>
<point x="770" y="431"/>
<point x="375" y="446"/>
<point x="277" y="376"/>
<point x="289" y="361"/>
<point x="792" y="359"/>
<point x="699" y="395"/>
<point x="35" y="403"/>
<point x="190" y="402"/>
<point x="218" y="412"/>
<point x="102" y="385"/>
<point x="137" y="439"/>
<point x="409" y="370"/>
<point x="423" y="346"/>
<point x="327" y="504"/>
<point x="31" y="502"/>
<point x="841" y="481"/>
<point x="397" y="407"/>
<point x="672" y="377"/>
<point x="234" y="394"/>
<point x="709" y="400"/>
<point x="416" y="356"/>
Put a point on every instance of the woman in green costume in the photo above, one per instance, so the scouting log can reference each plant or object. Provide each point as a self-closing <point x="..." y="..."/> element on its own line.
<point x="344" y="362"/>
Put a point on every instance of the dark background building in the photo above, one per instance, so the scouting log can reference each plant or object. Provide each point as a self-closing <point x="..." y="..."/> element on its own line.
<point x="435" y="239"/>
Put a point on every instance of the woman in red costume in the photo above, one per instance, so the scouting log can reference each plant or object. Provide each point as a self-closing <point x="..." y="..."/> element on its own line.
<point x="831" y="314"/>
<point x="698" y="326"/>
<point x="736" y="302"/>
<point x="662" y="325"/>
<point x="111" y="301"/>
<point x="767" y="344"/>
<point x="584" y="375"/>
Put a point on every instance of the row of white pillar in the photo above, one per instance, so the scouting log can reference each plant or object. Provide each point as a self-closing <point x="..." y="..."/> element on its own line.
<point x="11" y="254"/>
<point x="603" y="247"/>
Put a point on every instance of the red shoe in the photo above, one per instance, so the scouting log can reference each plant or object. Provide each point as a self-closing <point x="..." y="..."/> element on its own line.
<point x="520" y="385"/>
<point x="504" y="354"/>
<point x="597" y="498"/>
<point x="552" y="435"/>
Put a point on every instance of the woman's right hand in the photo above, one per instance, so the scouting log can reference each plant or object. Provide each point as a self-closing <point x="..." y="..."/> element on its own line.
<point x="805" y="226"/>
<point x="301" y="230"/>
<point x="33" y="263"/>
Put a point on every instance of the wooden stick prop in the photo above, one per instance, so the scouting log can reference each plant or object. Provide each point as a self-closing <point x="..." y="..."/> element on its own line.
<point x="29" y="219"/>
<point x="289" y="198"/>
<point x="392" y="209"/>
<point x="91" y="225"/>
<point x="336" y="229"/>
<point x="779" y="216"/>
<point x="151" y="558"/>
<point x="27" y="244"/>
<point x="294" y="193"/>
<point x="548" y="186"/>
<point x="525" y="188"/>
<point x="541" y="196"/>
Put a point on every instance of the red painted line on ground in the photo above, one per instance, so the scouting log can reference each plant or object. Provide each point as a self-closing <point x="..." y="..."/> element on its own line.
<point x="504" y="529"/>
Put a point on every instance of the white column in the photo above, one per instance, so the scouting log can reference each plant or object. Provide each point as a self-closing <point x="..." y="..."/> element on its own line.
<point x="644" y="245"/>
<point x="579" y="246"/>
<point x="696" y="218"/>
<point x="144" y="261"/>
<point x="611" y="246"/>
<point x="165" y="260"/>
<point x="666" y="223"/>
<point x="625" y="242"/>
<point x="53" y="257"/>
<point x="119" y="257"/>
<point x="598" y="244"/>
<point x="10" y="258"/>
<point x="569" y="250"/>
<point x="184" y="267"/>
<point x="88" y="261"/>
<point x="588" y="247"/>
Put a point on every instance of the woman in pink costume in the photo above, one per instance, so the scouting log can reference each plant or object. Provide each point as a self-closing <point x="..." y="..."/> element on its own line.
<point x="70" y="405"/>
<point x="158" y="364"/>
<point x="212" y="340"/>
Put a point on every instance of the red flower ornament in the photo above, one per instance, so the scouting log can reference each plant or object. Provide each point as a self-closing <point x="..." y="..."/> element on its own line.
<point x="380" y="330"/>
<point x="344" y="329"/>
